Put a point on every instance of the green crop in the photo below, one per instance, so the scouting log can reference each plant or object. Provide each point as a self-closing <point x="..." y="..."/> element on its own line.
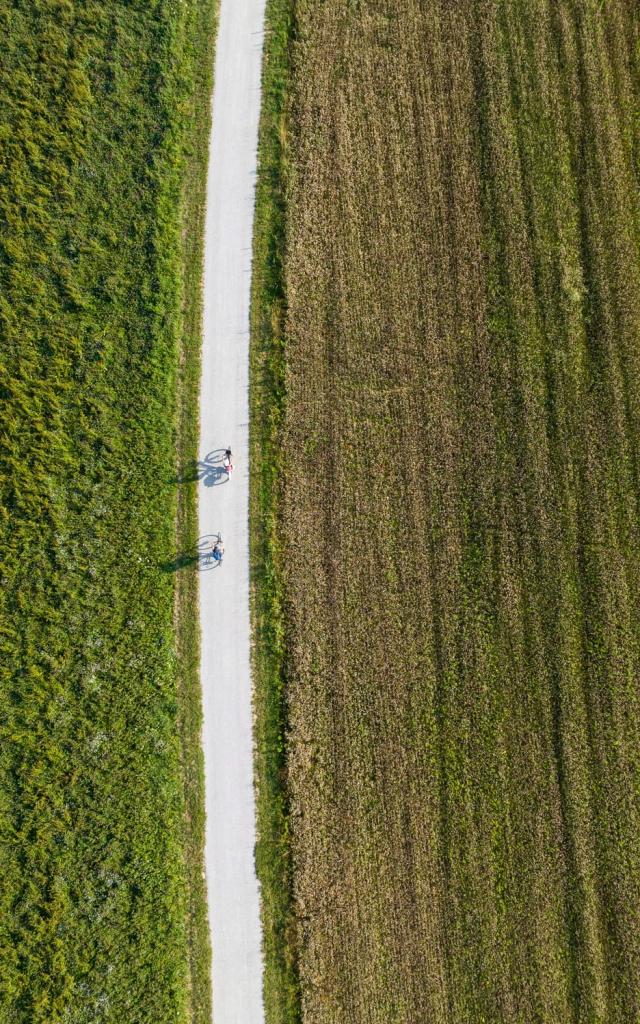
<point x="101" y="109"/>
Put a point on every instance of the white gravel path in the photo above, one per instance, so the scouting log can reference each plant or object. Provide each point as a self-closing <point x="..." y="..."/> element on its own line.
<point x="224" y="591"/>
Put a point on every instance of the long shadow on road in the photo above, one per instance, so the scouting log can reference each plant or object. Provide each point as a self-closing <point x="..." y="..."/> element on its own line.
<point x="209" y="470"/>
<point x="200" y="556"/>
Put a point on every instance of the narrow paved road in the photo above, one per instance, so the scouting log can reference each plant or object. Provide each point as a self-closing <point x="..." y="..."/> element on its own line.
<point x="224" y="590"/>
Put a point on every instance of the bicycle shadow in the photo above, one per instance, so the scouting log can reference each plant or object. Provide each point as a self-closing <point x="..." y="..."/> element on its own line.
<point x="209" y="470"/>
<point x="200" y="557"/>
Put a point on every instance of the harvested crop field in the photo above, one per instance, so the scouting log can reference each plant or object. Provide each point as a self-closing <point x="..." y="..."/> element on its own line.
<point x="458" y="539"/>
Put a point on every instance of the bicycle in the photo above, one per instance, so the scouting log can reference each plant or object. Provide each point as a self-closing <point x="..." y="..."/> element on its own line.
<point x="217" y="551"/>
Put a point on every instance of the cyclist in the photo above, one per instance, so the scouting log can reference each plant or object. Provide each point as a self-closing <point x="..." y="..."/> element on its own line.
<point x="227" y="463"/>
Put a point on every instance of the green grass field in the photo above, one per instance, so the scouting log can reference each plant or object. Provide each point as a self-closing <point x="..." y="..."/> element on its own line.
<point x="103" y="122"/>
<point x="448" y="328"/>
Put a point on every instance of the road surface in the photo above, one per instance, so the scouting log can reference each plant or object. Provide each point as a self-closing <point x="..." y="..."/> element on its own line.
<point x="223" y="506"/>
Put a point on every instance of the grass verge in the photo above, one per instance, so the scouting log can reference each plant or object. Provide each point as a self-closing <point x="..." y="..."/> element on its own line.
<point x="202" y="36"/>
<point x="273" y="855"/>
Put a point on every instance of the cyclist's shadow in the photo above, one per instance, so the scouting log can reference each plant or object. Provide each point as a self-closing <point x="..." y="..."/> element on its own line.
<point x="210" y="470"/>
<point x="200" y="557"/>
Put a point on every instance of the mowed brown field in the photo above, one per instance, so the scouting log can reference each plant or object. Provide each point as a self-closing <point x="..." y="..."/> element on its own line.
<point x="459" y="510"/>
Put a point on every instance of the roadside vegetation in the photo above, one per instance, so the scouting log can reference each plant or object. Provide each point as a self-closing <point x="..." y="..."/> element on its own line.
<point x="448" y="321"/>
<point x="273" y="855"/>
<point x="200" y="39"/>
<point x="103" y="121"/>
